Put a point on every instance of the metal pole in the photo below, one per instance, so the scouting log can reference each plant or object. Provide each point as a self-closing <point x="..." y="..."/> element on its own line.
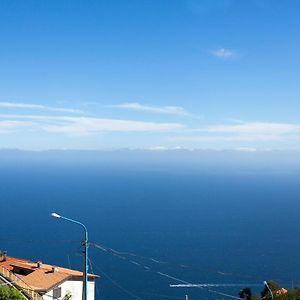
<point x="266" y="284"/>
<point x="86" y="259"/>
<point x="86" y="265"/>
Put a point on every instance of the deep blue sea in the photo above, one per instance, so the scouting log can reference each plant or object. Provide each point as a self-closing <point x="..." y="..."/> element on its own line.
<point x="218" y="219"/>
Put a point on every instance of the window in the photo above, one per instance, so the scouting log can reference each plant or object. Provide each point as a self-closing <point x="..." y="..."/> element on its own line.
<point x="57" y="293"/>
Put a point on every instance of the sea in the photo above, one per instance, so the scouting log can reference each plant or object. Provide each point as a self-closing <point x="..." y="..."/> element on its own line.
<point x="157" y="220"/>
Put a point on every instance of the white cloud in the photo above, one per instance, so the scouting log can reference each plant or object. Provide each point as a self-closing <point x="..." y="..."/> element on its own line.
<point x="157" y="148"/>
<point x="246" y="149"/>
<point x="38" y="106"/>
<point x="244" y="132"/>
<point x="261" y="128"/>
<point x="96" y="125"/>
<point x="224" y="53"/>
<point x="232" y="138"/>
<point x="174" y="110"/>
<point x="86" y="125"/>
<point x="244" y="136"/>
<point x="8" y="126"/>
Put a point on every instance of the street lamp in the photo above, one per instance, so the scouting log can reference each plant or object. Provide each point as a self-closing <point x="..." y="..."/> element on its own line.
<point x="85" y="243"/>
<point x="266" y="284"/>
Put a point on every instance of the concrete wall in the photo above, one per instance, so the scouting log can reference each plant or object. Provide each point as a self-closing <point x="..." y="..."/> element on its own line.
<point x="75" y="288"/>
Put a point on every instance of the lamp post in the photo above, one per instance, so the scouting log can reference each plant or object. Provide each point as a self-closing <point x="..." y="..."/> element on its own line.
<point x="266" y="284"/>
<point x="85" y="243"/>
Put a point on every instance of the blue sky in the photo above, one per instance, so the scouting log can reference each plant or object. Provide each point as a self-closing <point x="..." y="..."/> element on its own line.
<point x="208" y="74"/>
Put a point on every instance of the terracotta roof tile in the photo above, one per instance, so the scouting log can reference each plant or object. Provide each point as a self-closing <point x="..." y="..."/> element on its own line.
<point x="42" y="277"/>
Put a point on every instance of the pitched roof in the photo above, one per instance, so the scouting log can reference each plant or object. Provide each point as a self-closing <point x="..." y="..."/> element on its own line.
<point x="39" y="276"/>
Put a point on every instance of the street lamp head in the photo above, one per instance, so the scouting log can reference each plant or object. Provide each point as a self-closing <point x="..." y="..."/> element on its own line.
<point x="265" y="283"/>
<point x="55" y="215"/>
<point x="86" y="243"/>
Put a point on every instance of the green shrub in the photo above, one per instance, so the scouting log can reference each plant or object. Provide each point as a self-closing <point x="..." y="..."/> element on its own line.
<point x="8" y="293"/>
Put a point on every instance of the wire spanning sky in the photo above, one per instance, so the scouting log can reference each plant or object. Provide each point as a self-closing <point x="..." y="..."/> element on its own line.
<point x="210" y="74"/>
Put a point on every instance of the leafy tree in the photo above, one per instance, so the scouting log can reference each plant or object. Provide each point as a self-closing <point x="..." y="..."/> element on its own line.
<point x="245" y="293"/>
<point x="8" y="293"/>
<point x="291" y="294"/>
<point x="265" y="293"/>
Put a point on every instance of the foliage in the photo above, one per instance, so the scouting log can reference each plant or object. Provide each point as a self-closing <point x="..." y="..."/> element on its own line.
<point x="245" y="293"/>
<point x="8" y="293"/>
<point x="291" y="294"/>
<point x="265" y="293"/>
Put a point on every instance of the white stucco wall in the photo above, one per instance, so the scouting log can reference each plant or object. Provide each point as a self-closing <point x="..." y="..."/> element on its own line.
<point x="75" y="288"/>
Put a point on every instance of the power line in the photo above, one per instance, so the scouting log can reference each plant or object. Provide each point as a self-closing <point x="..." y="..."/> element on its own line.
<point x="92" y="271"/>
<point x="130" y="256"/>
<point x="124" y="256"/>
<point x="35" y="241"/>
<point x="117" y="253"/>
<point x="131" y="294"/>
<point x="193" y="285"/>
<point x="161" y="296"/>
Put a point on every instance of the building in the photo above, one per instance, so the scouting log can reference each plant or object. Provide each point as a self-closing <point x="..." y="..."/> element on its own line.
<point x="45" y="282"/>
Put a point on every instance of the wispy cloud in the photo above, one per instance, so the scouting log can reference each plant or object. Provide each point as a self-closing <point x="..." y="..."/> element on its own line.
<point x="246" y="149"/>
<point x="244" y="132"/>
<point x="232" y="138"/>
<point x="223" y="53"/>
<point x="83" y="126"/>
<point x="261" y="128"/>
<point x="8" y="126"/>
<point x="87" y="126"/>
<point x="242" y="135"/>
<point x="39" y="107"/>
<point x="173" y="110"/>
